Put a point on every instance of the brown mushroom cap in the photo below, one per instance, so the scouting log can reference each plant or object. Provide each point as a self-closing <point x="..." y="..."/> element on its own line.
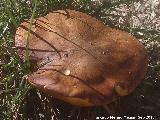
<point x="83" y="62"/>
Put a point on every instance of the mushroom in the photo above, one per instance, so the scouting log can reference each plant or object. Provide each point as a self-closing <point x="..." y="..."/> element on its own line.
<point x="80" y="60"/>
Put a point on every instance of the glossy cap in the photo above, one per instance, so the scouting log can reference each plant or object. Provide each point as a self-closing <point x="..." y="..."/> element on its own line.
<point x="82" y="61"/>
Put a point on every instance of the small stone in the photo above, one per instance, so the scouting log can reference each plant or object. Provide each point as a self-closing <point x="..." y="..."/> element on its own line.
<point x="66" y="72"/>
